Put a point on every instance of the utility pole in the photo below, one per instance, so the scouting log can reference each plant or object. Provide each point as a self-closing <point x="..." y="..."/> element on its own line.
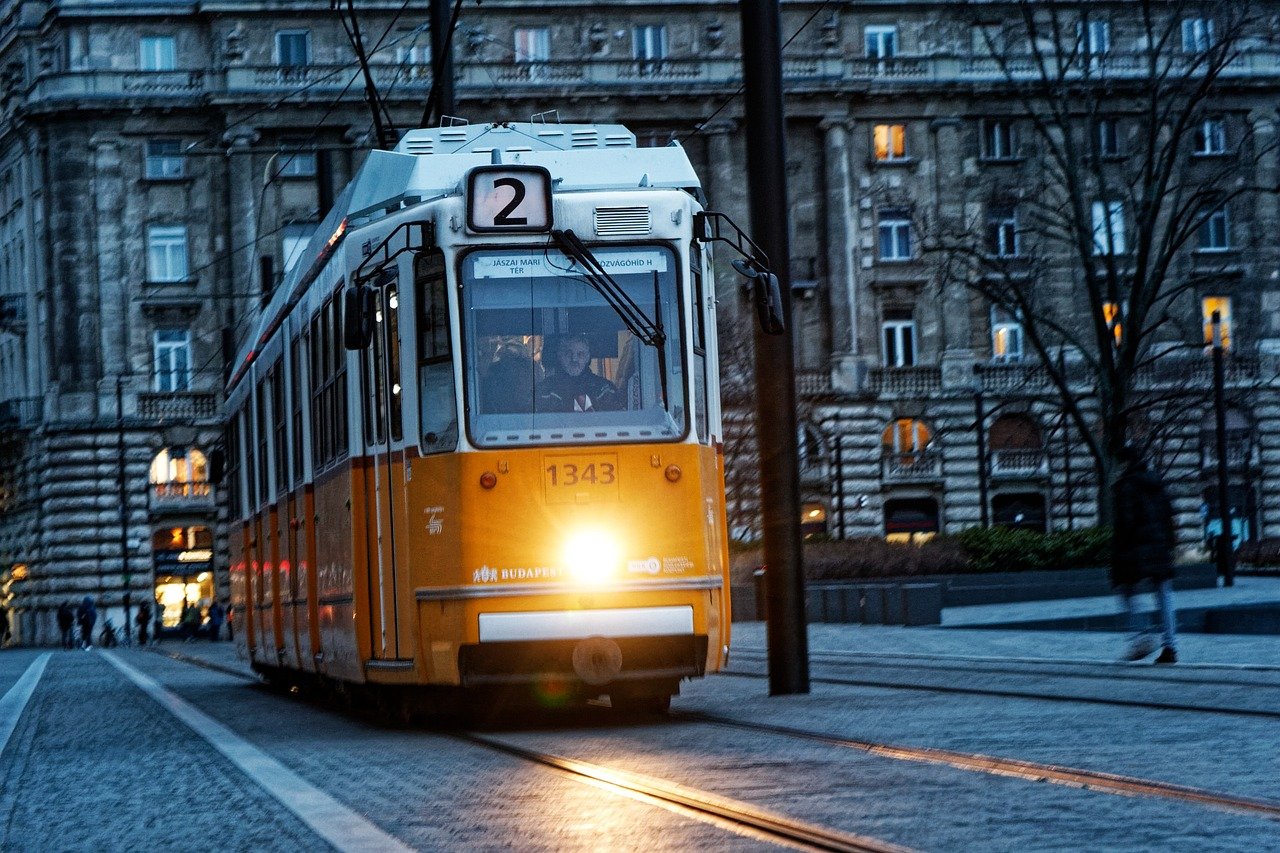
<point x="440" y="102"/>
<point x="1225" y="555"/>
<point x="980" y="419"/>
<point x="775" y="374"/>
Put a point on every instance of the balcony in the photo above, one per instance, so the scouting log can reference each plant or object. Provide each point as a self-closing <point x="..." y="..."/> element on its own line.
<point x="813" y="383"/>
<point x="911" y="467"/>
<point x="1018" y="462"/>
<point x="906" y="381"/>
<point x="1194" y="370"/>
<point x="22" y="413"/>
<point x="181" y="497"/>
<point x="1004" y="376"/>
<point x="100" y="83"/>
<point x="178" y="406"/>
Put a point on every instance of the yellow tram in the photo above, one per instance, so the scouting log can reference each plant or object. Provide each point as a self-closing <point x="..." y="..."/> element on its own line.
<point x="475" y="440"/>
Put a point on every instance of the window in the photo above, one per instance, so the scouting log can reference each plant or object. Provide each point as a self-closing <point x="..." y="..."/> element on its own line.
<point x="296" y="355"/>
<point x="649" y="44"/>
<point x="414" y="59"/>
<point x="890" y="141"/>
<point x="898" y="332"/>
<point x="293" y="48"/>
<point x="173" y="359"/>
<point x="164" y="159"/>
<point x="1107" y="137"/>
<point x="156" y="53"/>
<point x="1197" y="35"/>
<point x="999" y="140"/>
<point x="1095" y="38"/>
<point x="1002" y="231"/>
<point x="328" y="386"/>
<point x="295" y="160"/>
<point x="1108" y="228"/>
<point x="905" y="437"/>
<point x="1006" y="335"/>
<point x="437" y="394"/>
<point x="1113" y="316"/>
<point x="166" y="253"/>
<point x="179" y="472"/>
<point x="1211" y="137"/>
<point x="881" y="41"/>
<point x="533" y="48"/>
<point x="1222" y="306"/>
<point x="1215" y="232"/>
<point x="895" y="235"/>
<point x="294" y="241"/>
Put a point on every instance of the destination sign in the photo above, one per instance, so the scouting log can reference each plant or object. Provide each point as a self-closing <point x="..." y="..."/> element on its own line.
<point x="552" y="263"/>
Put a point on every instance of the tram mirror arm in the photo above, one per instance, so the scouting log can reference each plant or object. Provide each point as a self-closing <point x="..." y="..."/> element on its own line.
<point x="752" y="265"/>
<point x="598" y="278"/>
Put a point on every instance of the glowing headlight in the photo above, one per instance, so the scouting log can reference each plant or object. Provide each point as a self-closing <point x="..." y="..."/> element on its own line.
<point x="591" y="556"/>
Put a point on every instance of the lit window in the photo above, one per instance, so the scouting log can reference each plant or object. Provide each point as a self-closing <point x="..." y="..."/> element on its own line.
<point x="1215" y="232"/>
<point x="905" y="437"/>
<point x="898" y="332"/>
<point x="180" y="472"/>
<point x="167" y="253"/>
<point x="890" y="142"/>
<point x="1211" y="137"/>
<point x="881" y="41"/>
<point x="293" y="48"/>
<point x="895" y="235"/>
<point x="157" y="53"/>
<point x="164" y="159"/>
<point x="1002" y="232"/>
<point x="999" y="141"/>
<point x="1221" y="305"/>
<point x="294" y="241"/>
<point x="1197" y="35"/>
<point x="1113" y="316"/>
<point x="173" y="359"/>
<point x="1006" y="335"/>
<point x="1108" y="228"/>
<point x="294" y="160"/>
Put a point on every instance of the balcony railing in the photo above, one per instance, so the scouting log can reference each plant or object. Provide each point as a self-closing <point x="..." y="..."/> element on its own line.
<point x="906" y="381"/>
<point x="1019" y="462"/>
<point x="900" y="467"/>
<point x="1012" y="376"/>
<point x="498" y="78"/>
<point x="813" y="383"/>
<point x="181" y="496"/>
<point x="175" y="406"/>
<point x="1195" y="370"/>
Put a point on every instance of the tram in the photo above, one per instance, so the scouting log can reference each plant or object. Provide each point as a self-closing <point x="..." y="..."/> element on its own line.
<point x="475" y="439"/>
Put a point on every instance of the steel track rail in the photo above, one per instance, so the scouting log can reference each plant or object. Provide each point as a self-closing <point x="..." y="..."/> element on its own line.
<point x="701" y="803"/>
<point x="1025" y="694"/>
<point x="1094" y="780"/>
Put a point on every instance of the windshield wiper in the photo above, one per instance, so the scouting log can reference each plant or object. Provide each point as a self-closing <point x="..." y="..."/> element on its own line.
<point x="650" y="332"/>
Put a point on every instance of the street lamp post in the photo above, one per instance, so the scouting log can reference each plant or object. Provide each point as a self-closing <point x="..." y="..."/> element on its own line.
<point x="1224" y="553"/>
<point x="980" y="418"/>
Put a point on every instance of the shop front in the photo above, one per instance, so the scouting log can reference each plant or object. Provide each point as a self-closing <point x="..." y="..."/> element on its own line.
<point x="183" y="561"/>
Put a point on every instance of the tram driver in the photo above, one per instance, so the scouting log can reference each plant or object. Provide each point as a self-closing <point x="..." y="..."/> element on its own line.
<point x="571" y="385"/>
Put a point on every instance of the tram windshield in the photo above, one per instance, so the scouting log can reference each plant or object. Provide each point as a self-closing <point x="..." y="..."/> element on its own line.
<point x="549" y="361"/>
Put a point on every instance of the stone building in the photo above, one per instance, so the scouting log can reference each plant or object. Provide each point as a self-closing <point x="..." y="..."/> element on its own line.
<point x="161" y="163"/>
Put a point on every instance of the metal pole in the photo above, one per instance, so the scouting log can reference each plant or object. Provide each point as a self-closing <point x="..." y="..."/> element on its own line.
<point x="980" y="417"/>
<point x="1225" y="553"/>
<point x="124" y="505"/>
<point x="1066" y="472"/>
<point x="442" y="60"/>
<point x="840" y="476"/>
<point x="775" y="375"/>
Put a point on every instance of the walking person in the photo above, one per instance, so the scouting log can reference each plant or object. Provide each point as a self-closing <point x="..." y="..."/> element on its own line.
<point x="87" y="617"/>
<point x="4" y="627"/>
<point x="1142" y="549"/>
<point x="217" y="615"/>
<point x="143" y="620"/>
<point x="66" y="618"/>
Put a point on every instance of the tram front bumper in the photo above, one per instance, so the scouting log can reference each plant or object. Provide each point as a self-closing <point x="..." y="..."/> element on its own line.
<point x="595" y="661"/>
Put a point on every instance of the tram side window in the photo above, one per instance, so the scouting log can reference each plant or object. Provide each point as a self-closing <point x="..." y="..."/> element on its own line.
<point x="328" y="387"/>
<point x="437" y="396"/>
<point x="278" y="423"/>
<point x="295" y="400"/>
<point x="264" y="469"/>
<point x="317" y="374"/>
<point x="699" y="346"/>
<point x="250" y="477"/>
<point x="232" y="440"/>
<point x="338" y="385"/>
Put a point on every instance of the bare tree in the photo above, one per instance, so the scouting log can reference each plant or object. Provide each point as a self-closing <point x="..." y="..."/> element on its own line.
<point x="1129" y="161"/>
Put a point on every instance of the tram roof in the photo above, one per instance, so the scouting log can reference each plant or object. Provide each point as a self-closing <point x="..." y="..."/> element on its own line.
<point x="432" y="163"/>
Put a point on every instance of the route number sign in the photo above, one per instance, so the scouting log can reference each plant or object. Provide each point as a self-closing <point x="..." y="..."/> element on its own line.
<point x="509" y="198"/>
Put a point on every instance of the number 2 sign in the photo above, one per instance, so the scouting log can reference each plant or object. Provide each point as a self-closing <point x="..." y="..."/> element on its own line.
<point x="509" y="198"/>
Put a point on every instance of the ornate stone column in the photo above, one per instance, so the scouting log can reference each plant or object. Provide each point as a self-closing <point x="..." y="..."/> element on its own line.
<point x="111" y="281"/>
<point x="726" y="189"/>
<point x="243" y="200"/>
<point x="843" y="295"/>
<point x="956" y="325"/>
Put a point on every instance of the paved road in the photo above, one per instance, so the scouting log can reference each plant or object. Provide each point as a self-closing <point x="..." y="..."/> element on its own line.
<point x="96" y="762"/>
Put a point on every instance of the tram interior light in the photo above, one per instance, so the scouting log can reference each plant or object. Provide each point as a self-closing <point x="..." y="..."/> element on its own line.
<point x="592" y="556"/>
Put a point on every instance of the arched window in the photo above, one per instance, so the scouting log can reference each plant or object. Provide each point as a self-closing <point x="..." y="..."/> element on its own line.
<point x="812" y="452"/>
<point x="178" y="472"/>
<point x="1239" y="434"/>
<point x="906" y="438"/>
<point x="1016" y="443"/>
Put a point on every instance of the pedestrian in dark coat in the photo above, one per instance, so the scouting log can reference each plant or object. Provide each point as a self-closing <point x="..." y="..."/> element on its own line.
<point x="144" y="622"/>
<point x="87" y="617"/>
<point x="66" y="619"/>
<point x="1142" y="550"/>
<point x="217" y="615"/>
<point x="4" y="626"/>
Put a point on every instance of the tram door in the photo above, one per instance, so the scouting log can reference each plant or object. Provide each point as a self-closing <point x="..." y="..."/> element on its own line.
<point x="384" y="474"/>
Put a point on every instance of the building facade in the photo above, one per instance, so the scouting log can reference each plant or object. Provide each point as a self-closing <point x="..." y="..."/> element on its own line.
<point x="162" y="163"/>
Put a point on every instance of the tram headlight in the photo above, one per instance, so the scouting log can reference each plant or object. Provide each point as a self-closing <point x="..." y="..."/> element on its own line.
<point x="592" y="556"/>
